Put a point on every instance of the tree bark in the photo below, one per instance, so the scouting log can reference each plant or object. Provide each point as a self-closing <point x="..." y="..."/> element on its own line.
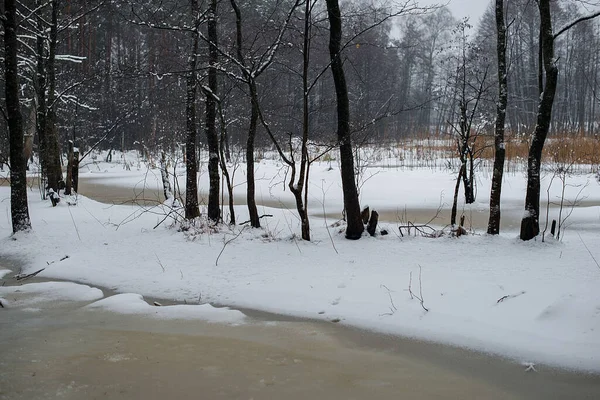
<point x="18" y="164"/>
<point x="454" y="211"/>
<point x="223" y="160"/>
<point x="41" y="106"/>
<point x="530" y="226"/>
<point x="250" y="183"/>
<point x="54" y="170"/>
<point x="355" y="226"/>
<point x="191" y="191"/>
<point x="212" y="136"/>
<point x="500" y="151"/>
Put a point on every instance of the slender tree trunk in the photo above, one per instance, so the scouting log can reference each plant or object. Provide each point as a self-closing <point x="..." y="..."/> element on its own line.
<point x="355" y="226"/>
<point x="500" y="151"/>
<point x="18" y="164"/>
<point x="461" y="172"/>
<point x="530" y="226"/>
<point x="41" y="106"/>
<point x="69" y="180"/>
<point x="250" y="183"/>
<point x="54" y="170"/>
<point x="191" y="192"/>
<point x="212" y="136"/>
<point x="302" y="185"/>
<point x="222" y="160"/>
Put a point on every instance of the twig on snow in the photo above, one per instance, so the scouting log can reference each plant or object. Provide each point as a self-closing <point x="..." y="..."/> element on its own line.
<point x="226" y="243"/>
<point x="509" y="296"/>
<point x="393" y="307"/>
<point x="21" y="277"/>
<point x="159" y="262"/>
<point x="413" y="295"/>
<point x="588" y="250"/>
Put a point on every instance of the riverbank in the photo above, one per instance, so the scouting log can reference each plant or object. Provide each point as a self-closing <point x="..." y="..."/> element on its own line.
<point x="66" y="348"/>
<point x="534" y="302"/>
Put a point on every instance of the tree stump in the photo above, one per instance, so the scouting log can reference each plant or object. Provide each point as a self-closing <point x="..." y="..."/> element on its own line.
<point x="372" y="226"/>
<point x="364" y="215"/>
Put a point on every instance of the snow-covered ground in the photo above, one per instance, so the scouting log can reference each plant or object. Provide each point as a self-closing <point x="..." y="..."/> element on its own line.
<point x="535" y="301"/>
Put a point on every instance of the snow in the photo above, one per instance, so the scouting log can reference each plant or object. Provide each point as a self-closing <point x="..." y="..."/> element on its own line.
<point x="34" y="293"/>
<point x="131" y="303"/>
<point x="551" y="314"/>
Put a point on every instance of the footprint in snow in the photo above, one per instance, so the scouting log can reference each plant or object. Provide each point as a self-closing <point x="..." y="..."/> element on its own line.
<point x="336" y="301"/>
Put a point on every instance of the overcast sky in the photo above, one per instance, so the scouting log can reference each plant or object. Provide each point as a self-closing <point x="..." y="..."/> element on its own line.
<point x="462" y="8"/>
<point x="475" y="8"/>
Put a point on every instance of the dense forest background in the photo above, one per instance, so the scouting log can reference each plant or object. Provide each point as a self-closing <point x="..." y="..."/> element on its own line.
<point x="121" y="69"/>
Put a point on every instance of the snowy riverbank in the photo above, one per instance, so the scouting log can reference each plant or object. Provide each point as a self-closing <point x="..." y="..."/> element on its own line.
<point x="534" y="302"/>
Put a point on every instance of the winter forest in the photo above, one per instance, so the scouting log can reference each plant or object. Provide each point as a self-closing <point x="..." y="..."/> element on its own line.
<point x="167" y="78"/>
<point x="379" y="165"/>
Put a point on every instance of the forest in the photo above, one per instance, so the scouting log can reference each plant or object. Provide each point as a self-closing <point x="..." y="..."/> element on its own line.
<point x="309" y="80"/>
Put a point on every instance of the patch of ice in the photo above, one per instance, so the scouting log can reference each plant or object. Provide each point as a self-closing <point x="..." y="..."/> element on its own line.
<point x="132" y="303"/>
<point x="33" y="293"/>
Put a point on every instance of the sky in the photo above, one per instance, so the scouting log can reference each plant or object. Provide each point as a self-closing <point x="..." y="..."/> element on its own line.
<point x="462" y="8"/>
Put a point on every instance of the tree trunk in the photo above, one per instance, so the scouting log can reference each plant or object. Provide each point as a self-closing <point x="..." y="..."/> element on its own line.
<point x="250" y="184"/>
<point x="500" y="151"/>
<point x="18" y="164"/>
<point x="355" y="226"/>
<point x="530" y="226"/>
<point x="75" y="173"/>
<point x="69" y="181"/>
<point x="212" y="136"/>
<point x="41" y="106"/>
<point x="54" y="170"/>
<point x="461" y="172"/>
<point x="191" y="191"/>
<point x="222" y="149"/>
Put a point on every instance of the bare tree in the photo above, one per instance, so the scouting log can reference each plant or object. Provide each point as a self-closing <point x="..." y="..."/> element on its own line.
<point x="191" y="167"/>
<point x="18" y="164"/>
<point x="212" y="136"/>
<point x="470" y="85"/>
<point x="251" y="71"/>
<point x="355" y="225"/>
<point x="548" y="78"/>
<point x="499" y="146"/>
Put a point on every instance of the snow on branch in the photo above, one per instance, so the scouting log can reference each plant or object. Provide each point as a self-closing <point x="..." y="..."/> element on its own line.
<point x="572" y="24"/>
<point x="70" y="58"/>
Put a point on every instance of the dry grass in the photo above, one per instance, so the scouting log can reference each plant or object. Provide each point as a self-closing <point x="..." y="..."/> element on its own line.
<point x="560" y="149"/>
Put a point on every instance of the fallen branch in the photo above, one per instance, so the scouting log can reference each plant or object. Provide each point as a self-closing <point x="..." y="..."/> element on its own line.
<point x="22" y="277"/>
<point x="261" y="217"/>
<point x="421" y="229"/>
<point x="509" y="296"/>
